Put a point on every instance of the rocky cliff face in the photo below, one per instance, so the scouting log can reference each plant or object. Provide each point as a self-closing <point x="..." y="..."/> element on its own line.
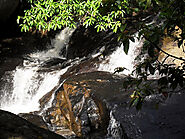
<point x="7" y="7"/>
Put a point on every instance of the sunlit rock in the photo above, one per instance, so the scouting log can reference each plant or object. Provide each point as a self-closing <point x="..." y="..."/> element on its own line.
<point x="80" y="107"/>
<point x="96" y="104"/>
<point x="170" y="45"/>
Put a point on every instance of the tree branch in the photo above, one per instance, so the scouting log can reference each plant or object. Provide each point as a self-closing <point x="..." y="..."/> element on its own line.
<point x="153" y="44"/>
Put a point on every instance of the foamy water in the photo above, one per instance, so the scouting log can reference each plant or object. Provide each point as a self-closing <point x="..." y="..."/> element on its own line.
<point x="28" y="88"/>
<point x="119" y="59"/>
<point x="29" y="85"/>
<point x="61" y="41"/>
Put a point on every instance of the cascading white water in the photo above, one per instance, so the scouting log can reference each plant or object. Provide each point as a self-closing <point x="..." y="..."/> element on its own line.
<point x="61" y="40"/>
<point x="119" y="59"/>
<point x="28" y="84"/>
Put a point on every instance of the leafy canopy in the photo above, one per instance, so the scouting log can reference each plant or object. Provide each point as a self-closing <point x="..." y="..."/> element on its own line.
<point x="49" y="14"/>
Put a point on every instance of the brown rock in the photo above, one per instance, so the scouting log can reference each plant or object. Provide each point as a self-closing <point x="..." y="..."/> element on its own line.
<point x="34" y="119"/>
<point x="170" y="45"/>
<point x="79" y="106"/>
<point x="13" y="126"/>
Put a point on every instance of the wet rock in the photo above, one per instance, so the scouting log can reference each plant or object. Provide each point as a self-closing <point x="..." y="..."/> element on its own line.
<point x="9" y="64"/>
<point x="155" y="120"/>
<point x="96" y="101"/>
<point x="34" y="119"/>
<point x="46" y="98"/>
<point x="53" y="62"/>
<point x="78" y="105"/>
<point x="82" y="66"/>
<point x="13" y="126"/>
<point x="85" y="41"/>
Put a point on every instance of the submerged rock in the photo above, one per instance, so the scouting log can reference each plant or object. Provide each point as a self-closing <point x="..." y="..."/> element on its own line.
<point x="53" y="62"/>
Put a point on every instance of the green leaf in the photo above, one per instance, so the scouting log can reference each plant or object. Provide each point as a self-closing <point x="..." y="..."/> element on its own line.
<point x="151" y="51"/>
<point x="120" y="36"/>
<point x="133" y="101"/>
<point x="163" y="81"/>
<point x="126" y="45"/>
<point x="163" y="71"/>
<point x="139" y="103"/>
<point x="122" y="28"/>
<point x="132" y="39"/>
<point x="18" y="19"/>
<point x="148" y="3"/>
<point x="173" y="85"/>
<point x="180" y="43"/>
<point x="136" y="9"/>
<point x="136" y="100"/>
<point x="151" y="69"/>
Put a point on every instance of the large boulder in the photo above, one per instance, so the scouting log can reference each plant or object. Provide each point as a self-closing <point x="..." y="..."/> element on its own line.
<point x="34" y="119"/>
<point x="13" y="126"/>
<point x="85" y="41"/>
<point x="79" y="108"/>
<point x="95" y="104"/>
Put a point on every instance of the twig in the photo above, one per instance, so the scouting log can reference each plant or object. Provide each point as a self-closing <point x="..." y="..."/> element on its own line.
<point x="165" y="59"/>
<point x="155" y="45"/>
<point x="179" y="58"/>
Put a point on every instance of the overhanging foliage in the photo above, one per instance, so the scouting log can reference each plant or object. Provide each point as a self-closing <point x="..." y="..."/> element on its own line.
<point x="49" y="14"/>
<point x="152" y="19"/>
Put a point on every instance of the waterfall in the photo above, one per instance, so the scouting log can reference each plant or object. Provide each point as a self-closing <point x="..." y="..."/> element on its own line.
<point x="61" y="40"/>
<point x="28" y="84"/>
<point x="119" y="59"/>
<point x="41" y="72"/>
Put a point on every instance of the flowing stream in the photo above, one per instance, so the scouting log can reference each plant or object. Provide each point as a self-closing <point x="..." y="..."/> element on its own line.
<point x="119" y="59"/>
<point x="28" y="83"/>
